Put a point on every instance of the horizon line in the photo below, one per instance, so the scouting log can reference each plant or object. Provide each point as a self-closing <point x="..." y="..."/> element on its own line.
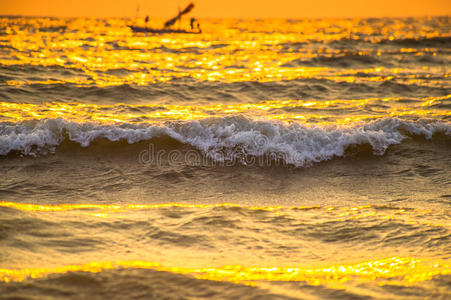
<point x="243" y="18"/>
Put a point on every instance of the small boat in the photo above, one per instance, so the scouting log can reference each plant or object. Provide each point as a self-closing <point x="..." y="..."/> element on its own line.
<point x="168" y="24"/>
<point x="140" y="29"/>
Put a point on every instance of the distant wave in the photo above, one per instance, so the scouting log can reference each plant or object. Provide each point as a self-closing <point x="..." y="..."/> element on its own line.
<point x="433" y="41"/>
<point x="221" y="138"/>
<point x="346" y="60"/>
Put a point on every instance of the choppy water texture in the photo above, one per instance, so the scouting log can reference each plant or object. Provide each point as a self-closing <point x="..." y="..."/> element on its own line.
<point x="277" y="159"/>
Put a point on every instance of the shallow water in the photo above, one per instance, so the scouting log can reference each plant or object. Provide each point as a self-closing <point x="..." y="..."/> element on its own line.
<point x="278" y="159"/>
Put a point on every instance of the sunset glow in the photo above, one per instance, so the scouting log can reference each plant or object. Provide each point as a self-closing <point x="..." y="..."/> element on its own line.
<point x="229" y="9"/>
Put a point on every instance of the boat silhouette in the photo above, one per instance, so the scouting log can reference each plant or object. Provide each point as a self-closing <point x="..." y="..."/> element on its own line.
<point x="169" y="23"/>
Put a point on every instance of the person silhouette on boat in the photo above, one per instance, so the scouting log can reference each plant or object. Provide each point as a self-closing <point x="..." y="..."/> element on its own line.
<point x="195" y="21"/>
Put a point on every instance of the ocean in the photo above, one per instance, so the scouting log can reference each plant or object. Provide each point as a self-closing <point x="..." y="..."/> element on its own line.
<point x="260" y="159"/>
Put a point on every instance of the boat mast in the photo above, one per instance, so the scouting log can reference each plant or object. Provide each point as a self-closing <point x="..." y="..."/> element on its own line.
<point x="180" y="19"/>
<point x="177" y="18"/>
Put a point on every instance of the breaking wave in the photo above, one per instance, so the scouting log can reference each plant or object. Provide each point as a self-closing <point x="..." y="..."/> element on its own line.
<point x="222" y="138"/>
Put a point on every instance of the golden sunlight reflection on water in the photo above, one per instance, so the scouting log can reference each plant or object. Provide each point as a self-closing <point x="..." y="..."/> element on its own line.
<point x="322" y="112"/>
<point x="107" y="53"/>
<point x="401" y="271"/>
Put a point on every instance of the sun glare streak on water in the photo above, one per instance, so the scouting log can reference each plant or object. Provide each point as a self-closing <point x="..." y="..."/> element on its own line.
<point x="402" y="271"/>
<point x="319" y="112"/>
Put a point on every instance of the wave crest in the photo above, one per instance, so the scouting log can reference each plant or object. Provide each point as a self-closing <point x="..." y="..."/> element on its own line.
<point x="219" y="138"/>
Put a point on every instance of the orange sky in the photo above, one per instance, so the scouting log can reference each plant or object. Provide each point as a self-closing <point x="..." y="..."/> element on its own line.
<point x="228" y="8"/>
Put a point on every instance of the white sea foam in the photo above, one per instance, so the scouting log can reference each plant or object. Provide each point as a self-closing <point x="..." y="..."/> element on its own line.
<point x="220" y="138"/>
